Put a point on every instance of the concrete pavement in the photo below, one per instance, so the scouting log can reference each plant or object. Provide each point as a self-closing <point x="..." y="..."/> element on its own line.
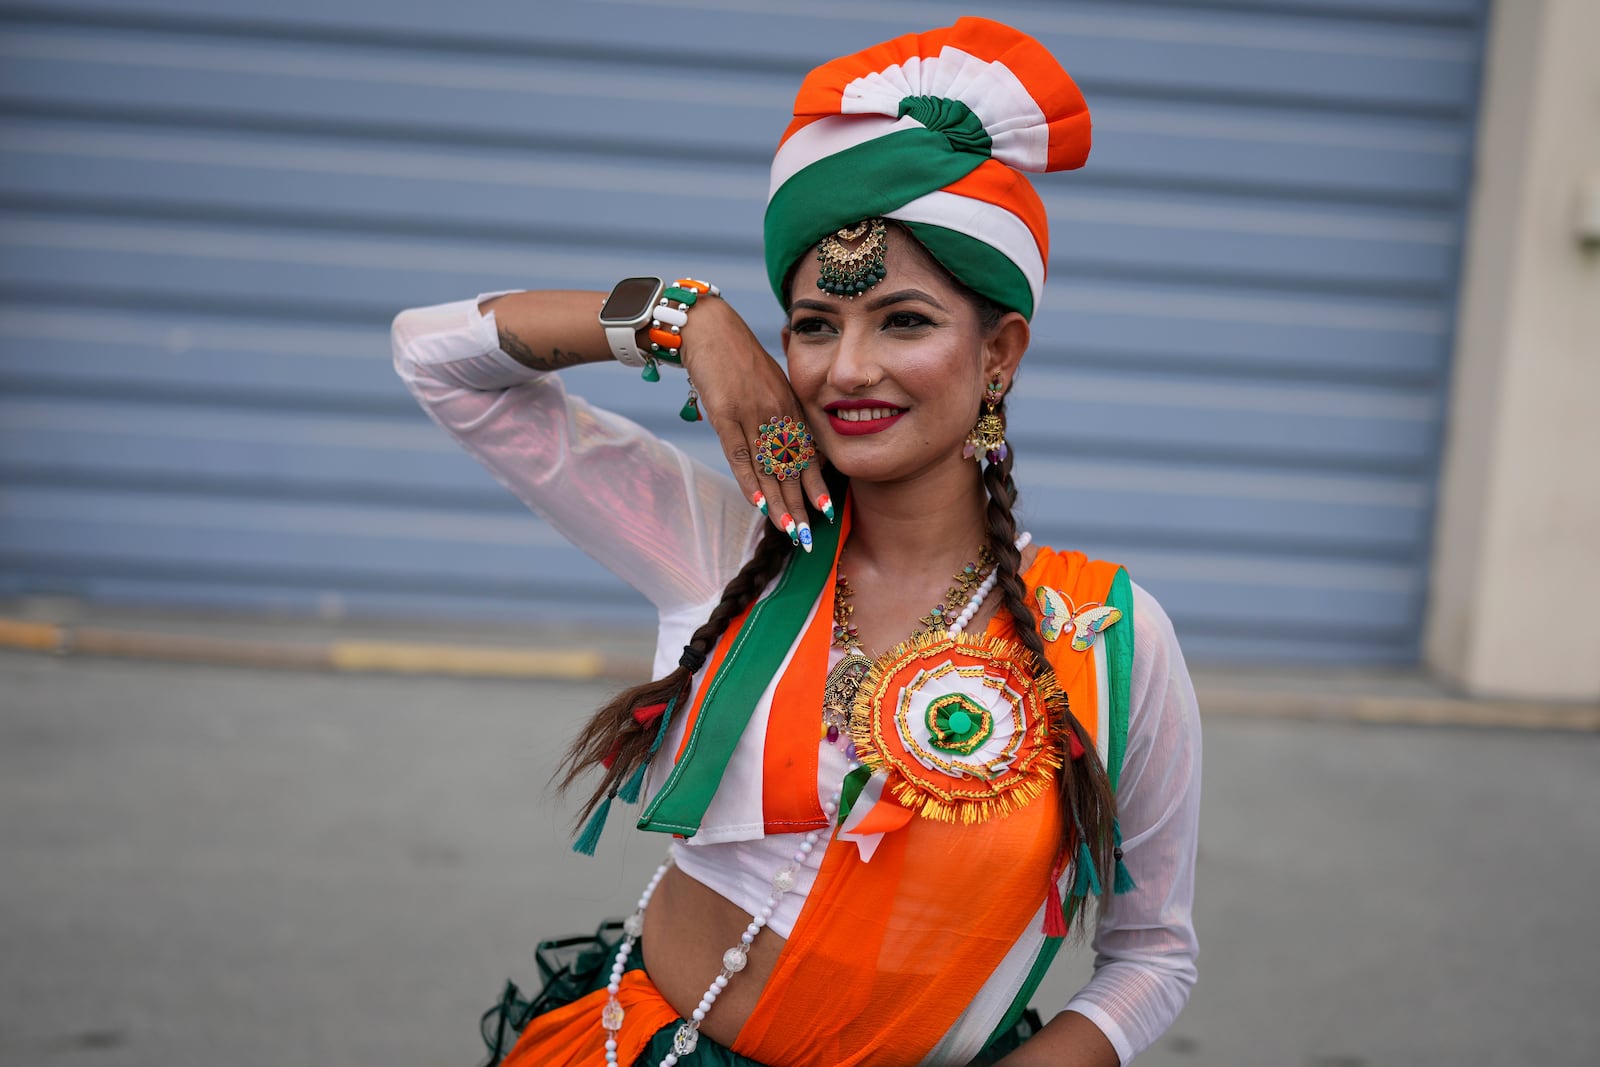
<point x="214" y="864"/>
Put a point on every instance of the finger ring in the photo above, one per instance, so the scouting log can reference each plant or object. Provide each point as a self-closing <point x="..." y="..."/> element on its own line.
<point x="783" y="445"/>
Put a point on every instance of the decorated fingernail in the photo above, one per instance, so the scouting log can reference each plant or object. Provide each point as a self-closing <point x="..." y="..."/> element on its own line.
<point x="805" y="537"/>
<point x="759" y="500"/>
<point x="825" y="502"/>
<point x="786" y="520"/>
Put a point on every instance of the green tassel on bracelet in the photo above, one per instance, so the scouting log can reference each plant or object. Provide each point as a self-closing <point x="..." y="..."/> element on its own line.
<point x="690" y="412"/>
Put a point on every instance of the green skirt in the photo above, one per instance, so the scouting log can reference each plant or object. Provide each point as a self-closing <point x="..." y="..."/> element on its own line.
<point x="573" y="967"/>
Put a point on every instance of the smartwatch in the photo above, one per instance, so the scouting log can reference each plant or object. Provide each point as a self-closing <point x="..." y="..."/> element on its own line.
<point x="631" y="304"/>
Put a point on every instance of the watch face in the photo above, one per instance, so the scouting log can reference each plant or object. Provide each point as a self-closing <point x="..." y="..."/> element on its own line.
<point x="630" y="301"/>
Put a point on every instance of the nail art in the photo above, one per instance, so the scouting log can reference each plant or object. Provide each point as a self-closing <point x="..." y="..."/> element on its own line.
<point x="825" y="502"/>
<point x="759" y="500"/>
<point x="805" y="537"/>
<point x="786" y="520"/>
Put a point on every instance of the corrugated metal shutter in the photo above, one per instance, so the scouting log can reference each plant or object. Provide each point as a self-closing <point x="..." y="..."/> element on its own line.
<point x="211" y="210"/>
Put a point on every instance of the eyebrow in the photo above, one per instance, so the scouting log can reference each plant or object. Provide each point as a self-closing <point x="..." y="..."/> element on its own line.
<point x="875" y="304"/>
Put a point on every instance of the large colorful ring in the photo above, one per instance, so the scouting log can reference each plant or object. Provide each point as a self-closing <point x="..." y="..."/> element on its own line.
<point x="784" y="448"/>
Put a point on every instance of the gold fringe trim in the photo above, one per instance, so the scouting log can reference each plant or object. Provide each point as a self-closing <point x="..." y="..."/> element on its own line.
<point x="1031" y="775"/>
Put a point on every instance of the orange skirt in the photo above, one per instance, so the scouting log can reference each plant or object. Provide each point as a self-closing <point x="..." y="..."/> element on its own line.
<point x="561" y="1026"/>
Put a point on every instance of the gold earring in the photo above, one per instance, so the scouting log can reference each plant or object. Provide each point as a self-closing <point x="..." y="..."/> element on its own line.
<point x="988" y="437"/>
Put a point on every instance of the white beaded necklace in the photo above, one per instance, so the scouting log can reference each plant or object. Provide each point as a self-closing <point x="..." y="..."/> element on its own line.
<point x="783" y="880"/>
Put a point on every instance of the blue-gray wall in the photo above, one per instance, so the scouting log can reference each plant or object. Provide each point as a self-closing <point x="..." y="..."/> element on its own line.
<point x="209" y="211"/>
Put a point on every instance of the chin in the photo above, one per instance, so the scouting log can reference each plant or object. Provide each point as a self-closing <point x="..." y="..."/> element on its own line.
<point x="870" y="463"/>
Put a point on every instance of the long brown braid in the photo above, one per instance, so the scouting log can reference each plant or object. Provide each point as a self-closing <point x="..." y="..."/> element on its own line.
<point x="613" y="732"/>
<point x="1085" y="790"/>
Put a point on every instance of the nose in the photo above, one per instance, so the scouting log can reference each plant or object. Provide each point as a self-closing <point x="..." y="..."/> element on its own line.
<point x="854" y="365"/>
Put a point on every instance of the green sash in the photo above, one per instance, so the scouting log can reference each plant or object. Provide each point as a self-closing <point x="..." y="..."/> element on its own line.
<point x="1119" y="665"/>
<point x="752" y="662"/>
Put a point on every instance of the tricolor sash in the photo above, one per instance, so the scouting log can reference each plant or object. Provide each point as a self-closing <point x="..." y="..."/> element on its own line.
<point x="740" y="670"/>
<point x="900" y="959"/>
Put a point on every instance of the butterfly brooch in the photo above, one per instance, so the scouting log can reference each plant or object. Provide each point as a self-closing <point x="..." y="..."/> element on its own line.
<point x="1062" y="617"/>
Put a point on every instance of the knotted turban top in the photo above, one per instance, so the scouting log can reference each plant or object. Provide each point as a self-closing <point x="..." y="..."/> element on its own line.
<point x="934" y="131"/>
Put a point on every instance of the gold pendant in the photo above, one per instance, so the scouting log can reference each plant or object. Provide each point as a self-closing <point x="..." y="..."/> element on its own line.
<point x="839" y="692"/>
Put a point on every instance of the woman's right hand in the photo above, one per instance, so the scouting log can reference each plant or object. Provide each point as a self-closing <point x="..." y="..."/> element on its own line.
<point x="741" y="388"/>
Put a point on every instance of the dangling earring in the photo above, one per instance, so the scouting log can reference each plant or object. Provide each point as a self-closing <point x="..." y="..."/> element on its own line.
<point x="988" y="437"/>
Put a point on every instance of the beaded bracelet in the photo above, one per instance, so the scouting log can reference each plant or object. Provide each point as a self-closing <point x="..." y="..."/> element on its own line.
<point x="666" y="338"/>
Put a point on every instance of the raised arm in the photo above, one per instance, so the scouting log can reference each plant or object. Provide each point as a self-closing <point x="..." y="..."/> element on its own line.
<point x="670" y="527"/>
<point x="740" y="383"/>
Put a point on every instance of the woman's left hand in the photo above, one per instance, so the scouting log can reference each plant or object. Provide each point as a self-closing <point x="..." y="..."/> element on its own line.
<point x="743" y="388"/>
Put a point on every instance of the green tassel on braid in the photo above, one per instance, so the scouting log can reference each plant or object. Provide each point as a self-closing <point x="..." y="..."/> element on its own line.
<point x="629" y="793"/>
<point x="1085" y="880"/>
<point x="1085" y="877"/>
<point x="1123" y="882"/>
<point x="589" y="840"/>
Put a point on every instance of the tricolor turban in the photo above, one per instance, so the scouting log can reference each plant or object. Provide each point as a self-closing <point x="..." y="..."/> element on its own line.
<point x="931" y="130"/>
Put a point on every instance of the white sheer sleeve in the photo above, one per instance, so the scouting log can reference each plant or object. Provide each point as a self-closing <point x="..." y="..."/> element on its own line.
<point x="1145" y="943"/>
<point x="667" y="525"/>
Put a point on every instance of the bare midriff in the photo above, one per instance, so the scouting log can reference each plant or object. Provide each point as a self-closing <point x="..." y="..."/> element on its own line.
<point x="686" y="930"/>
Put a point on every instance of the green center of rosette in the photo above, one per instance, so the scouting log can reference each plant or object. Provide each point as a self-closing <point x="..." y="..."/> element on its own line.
<point x="957" y="724"/>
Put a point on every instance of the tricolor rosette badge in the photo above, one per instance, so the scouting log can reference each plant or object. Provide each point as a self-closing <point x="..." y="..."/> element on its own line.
<point x="960" y="727"/>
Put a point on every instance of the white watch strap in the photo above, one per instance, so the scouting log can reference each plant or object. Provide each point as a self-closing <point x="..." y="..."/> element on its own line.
<point x="665" y="312"/>
<point x="624" y="341"/>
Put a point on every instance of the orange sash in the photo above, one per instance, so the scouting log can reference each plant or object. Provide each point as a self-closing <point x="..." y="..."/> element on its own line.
<point x="571" y="1035"/>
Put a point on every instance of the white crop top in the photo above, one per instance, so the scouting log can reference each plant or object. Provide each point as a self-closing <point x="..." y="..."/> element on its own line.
<point x="742" y="871"/>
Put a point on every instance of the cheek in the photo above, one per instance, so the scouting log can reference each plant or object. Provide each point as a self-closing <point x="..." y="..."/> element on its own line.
<point x="808" y="373"/>
<point x="946" y="375"/>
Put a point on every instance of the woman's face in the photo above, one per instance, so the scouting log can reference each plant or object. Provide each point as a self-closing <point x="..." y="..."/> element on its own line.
<point x="893" y="380"/>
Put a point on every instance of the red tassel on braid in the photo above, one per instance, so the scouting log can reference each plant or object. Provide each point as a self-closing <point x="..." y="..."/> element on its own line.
<point x="649" y="713"/>
<point x="1055" y="917"/>
<point x="644" y="717"/>
<point x="1075" y="747"/>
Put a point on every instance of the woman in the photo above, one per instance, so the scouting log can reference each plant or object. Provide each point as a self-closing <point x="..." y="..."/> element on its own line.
<point x="890" y="788"/>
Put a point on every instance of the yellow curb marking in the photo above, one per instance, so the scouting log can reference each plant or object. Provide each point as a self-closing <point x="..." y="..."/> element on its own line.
<point x="392" y="657"/>
<point x="35" y="636"/>
<point x="460" y="659"/>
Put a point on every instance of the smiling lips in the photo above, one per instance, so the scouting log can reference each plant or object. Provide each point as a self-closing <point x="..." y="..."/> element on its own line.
<point x="852" y="418"/>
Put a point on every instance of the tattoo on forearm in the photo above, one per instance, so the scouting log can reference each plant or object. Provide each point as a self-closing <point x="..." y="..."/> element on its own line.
<point x="518" y="350"/>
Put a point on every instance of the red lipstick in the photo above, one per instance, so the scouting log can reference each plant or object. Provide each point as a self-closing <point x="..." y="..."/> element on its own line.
<point x="875" y="416"/>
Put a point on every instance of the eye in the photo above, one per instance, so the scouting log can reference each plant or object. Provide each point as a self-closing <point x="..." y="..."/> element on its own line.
<point x="811" y="325"/>
<point x="905" y="320"/>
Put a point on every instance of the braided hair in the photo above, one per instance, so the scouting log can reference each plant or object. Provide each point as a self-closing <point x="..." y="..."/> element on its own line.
<point x="617" y="742"/>
<point x="1088" y="806"/>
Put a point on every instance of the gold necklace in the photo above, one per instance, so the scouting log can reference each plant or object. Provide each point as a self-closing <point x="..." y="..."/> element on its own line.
<point x="839" y="692"/>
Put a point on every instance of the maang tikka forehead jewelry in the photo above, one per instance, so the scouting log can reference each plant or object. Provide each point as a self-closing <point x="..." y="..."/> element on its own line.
<point x="988" y="437"/>
<point x="848" y="268"/>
